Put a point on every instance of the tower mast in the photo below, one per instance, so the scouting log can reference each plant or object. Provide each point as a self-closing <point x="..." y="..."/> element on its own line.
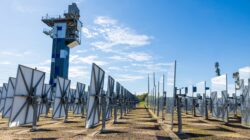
<point x="65" y="31"/>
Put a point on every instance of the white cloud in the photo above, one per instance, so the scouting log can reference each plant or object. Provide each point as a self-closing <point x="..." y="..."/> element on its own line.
<point x="145" y="68"/>
<point x="79" y="1"/>
<point x="46" y="62"/>
<point x="127" y="77"/>
<point x="81" y="51"/>
<point x="110" y="34"/>
<point x="16" y="54"/>
<point x="103" y="46"/>
<point x="115" y="68"/>
<point x="118" y="58"/>
<point x="133" y="56"/>
<point x="139" y="56"/>
<point x="77" y="71"/>
<point x="102" y="20"/>
<point x="44" y="69"/>
<point x="76" y="59"/>
<point x="89" y="34"/>
<point x="23" y="7"/>
<point x="5" y="62"/>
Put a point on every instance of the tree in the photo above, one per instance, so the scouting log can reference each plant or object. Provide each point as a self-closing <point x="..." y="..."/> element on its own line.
<point x="142" y="97"/>
<point x="217" y="69"/>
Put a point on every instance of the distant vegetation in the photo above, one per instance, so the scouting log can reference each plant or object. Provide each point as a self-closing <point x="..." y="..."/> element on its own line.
<point x="142" y="97"/>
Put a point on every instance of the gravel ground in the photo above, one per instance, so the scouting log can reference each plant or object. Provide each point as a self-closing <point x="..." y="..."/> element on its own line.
<point x="137" y="125"/>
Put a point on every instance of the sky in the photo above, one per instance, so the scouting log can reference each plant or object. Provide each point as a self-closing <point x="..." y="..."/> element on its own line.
<point x="130" y="39"/>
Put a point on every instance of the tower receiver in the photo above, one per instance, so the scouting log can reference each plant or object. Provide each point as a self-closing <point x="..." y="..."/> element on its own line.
<point x="65" y="30"/>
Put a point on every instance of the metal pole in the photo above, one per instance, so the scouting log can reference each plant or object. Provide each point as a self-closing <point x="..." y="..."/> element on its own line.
<point x="164" y="97"/>
<point x="104" y="111"/>
<point x="121" y="103"/>
<point x="148" y="90"/>
<point x="174" y="97"/>
<point x="66" y="112"/>
<point x="34" y="127"/>
<point x="154" y="93"/>
<point x="115" y="113"/>
<point x="158" y="100"/>
<point x="179" y="115"/>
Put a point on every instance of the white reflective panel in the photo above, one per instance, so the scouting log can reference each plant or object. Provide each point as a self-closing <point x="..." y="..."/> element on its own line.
<point x="171" y="79"/>
<point x="3" y="96"/>
<point x="61" y="98"/>
<point x="9" y="97"/>
<point x="231" y="89"/>
<point x="170" y="88"/>
<point x="200" y="100"/>
<point x="208" y="93"/>
<point x="245" y="105"/>
<point x="219" y="97"/>
<point x="71" y="99"/>
<point x="201" y="87"/>
<point x="96" y="87"/>
<point x="79" y="98"/>
<point x="219" y="84"/>
<point x="244" y="74"/>
<point x="109" y="97"/>
<point x="190" y="91"/>
<point x="29" y="83"/>
<point x="46" y="99"/>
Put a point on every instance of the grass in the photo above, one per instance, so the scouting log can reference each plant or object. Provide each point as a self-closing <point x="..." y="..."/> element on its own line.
<point x="141" y="104"/>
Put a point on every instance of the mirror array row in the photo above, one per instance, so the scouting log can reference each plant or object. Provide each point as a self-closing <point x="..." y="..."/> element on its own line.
<point x="25" y="98"/>
<point x="217" y="101"/>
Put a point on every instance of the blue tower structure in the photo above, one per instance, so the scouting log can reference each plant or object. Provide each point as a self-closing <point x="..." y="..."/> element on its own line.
<point x="65" y="30"/>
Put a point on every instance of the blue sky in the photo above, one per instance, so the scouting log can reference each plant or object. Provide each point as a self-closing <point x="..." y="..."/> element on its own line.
<point x="131" y="38"/>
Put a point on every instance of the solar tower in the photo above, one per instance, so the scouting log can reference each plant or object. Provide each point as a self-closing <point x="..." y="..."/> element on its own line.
<point x="65" y="30"/>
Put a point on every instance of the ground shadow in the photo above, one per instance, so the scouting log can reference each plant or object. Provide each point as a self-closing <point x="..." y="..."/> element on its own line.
<point x="121" y="123"/>
<point x="192" y="135"/>
<point x="44" y="138"/>
<point x="163" y="138"/>
<point x="112" y="131"/>
<point x="81" y="126"/>
<point x="146" y="117"/>
<point x="237" y="126"/>
<point x="71" y="122"/>
<point x="153" y="120"/>
<point x="156" y="127"/>
<point x="197" y="121"/>
<point x="43" y="130"/>
<point x="213" y="120"/>
<point x="219" y="129"/>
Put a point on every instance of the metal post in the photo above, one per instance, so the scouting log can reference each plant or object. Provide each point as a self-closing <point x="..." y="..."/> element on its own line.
<point x="34" y="102"/>
<point x="115" y="113"/>
<point x="148" y="90"/>
<point x="186" y="105"/>
<point x="121" y="112"/>
<point x="164" y="97"/>
<point x="66" y="110"/>
<point x="179" y="115"/>
<point x="194" y="107"/>
<point x="104" y="104"/>
<point x="154" y="95"/>
<point x="206" y="110"/>
<point x="174" y="90"/>
<point x="158" y="100"/>
<point x="211" y="106"/>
